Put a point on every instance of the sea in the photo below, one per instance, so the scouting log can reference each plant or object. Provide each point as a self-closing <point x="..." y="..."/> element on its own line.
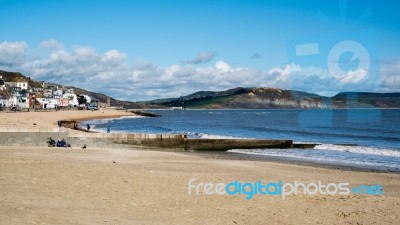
<point x="362" y="138"/>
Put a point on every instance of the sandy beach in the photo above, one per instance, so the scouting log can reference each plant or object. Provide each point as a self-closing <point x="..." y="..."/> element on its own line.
<point x="124" y="186"/>
<point x="117" y="186"/>
<point x="48" y="119"/>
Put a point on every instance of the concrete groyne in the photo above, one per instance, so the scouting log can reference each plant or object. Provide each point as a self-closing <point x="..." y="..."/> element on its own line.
<point x="226" y="144"/>
<point x="39" y="136"/>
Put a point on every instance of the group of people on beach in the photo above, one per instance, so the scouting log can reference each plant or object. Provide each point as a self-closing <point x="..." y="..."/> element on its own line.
<point x="59" y="143"/>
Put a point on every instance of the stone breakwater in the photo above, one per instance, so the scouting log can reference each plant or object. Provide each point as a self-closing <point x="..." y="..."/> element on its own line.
<point x="168" y="142"/>
<point x="39" y="136"/>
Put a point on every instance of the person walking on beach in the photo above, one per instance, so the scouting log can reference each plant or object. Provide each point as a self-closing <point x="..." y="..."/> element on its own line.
<point x="88" y="127"/>
<point x="108" y="129"/>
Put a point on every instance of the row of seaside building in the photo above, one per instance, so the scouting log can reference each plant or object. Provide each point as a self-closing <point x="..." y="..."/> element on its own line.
<point x="18" y="93"/>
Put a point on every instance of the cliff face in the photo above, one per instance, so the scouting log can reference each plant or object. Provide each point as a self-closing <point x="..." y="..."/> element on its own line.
<point x="271" y="98"/>
<point x="261" y="98"/>
<point x="262" y="103"/>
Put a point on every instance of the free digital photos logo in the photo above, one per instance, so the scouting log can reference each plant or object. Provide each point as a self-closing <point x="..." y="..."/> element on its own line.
<point x="279" y="188"/>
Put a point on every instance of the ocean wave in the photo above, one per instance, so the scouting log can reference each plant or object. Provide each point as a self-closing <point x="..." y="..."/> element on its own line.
<point x="380" y="162"/>
<point x="200" y="135"/>
<point x="359" y="149"/>
<point x="107" y="120"/>
<point x="213" y="136"/>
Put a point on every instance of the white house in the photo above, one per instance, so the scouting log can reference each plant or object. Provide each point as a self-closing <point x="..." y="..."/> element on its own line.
<point x="48" y="103"/>
<point x="23" y="84"/>
<point x="23" y="99"/>
<point x="72" y="100"/>
<point x="59" y="92"/>
<point x="54" y="102"/>
<point x="13" y="100"/>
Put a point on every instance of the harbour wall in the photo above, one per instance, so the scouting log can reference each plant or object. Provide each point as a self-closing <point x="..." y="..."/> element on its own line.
<point x="39" y="136"/>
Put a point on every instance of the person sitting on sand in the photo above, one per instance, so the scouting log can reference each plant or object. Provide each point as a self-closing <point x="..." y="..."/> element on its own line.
<point x="84" y="146"/>
<point x="61" y="143"/>
<point x="51" y="142"/>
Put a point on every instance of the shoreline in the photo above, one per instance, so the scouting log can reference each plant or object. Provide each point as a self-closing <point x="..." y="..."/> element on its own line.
<point x="282" y="160"/>
<point x="100" y="117"/>
<point x="67" y="123"/>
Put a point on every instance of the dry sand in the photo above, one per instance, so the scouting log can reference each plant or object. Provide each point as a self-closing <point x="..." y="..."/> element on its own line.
<point x="117" y="186"/>
<point x="122" y="186"/>
<point x="46" y="119"/>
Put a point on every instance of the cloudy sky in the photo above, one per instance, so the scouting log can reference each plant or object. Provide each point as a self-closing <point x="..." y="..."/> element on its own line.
<point x="147" y="49"/>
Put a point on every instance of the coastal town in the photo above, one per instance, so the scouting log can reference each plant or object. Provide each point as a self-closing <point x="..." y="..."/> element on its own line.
<point x="17" y="94"/>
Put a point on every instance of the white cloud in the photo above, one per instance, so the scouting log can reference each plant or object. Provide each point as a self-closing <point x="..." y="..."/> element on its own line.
<point x="79" y="65"/>
<point x="113" y="57"/>
<point x="12" y="53"/>
<point x="354" y="76"/>
<point x="109" y="73"/>
<point x="390" y="71"/>
<point x="320" y="81"/>
<point x="222" y="67"/>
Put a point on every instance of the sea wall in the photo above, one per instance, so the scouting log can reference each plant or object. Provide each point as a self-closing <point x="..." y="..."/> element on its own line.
<point x="39" y="136"/>
<point x="226" y="144"/>
<point x="28" y="136"/>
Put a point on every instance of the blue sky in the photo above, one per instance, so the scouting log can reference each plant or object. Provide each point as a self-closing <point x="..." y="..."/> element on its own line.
<point x="139" y="50"/>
